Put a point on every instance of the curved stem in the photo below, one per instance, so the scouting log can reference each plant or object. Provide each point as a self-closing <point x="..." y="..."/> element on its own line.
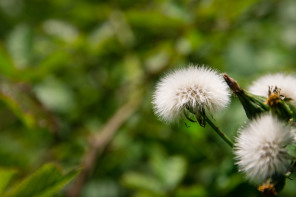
<point x="219" y="132"/>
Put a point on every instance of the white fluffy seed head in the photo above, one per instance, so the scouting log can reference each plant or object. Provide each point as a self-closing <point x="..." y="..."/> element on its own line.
<point x="260" y="148"/>
<point x="286" y="83"/>
<point x="195" y="87"/>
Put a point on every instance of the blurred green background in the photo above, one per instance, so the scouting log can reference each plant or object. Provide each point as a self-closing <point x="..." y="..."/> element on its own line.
<point x="77" y="78"/>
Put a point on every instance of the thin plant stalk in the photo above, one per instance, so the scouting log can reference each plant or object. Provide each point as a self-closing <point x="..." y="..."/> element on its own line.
<point x="219" y="132"/>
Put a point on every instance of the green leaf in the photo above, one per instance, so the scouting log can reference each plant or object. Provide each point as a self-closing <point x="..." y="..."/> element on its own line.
<point x="45" y="182"/>
<point x="142" y="182"/>
<point x="20" y="98"/>
<point x="6" y="176"/>
<point x="195" y="190"/>
<point x="19" y="44"/>
<point x="153" y="19"/>
<point x="291" y="148"/>
<point x="169" y="170"/>
<point x="6" y="64"/>
<point x="174" y="171"/>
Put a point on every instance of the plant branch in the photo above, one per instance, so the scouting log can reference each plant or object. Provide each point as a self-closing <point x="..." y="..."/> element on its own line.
<point x="100" y="140"/>
<point x="219" y="132"/>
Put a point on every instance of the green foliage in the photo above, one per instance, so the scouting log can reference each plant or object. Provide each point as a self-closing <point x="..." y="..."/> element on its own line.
<point x="291" y="148"/>
<point x="6" y="66"/>
<point x="6" y="176"/>
<point x="45" y="182"/>
<point x="166" y="174"/>
<point x="67" y="66"/>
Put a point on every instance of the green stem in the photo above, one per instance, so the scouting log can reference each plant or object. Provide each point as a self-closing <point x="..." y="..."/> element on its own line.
<point x="219" y="132"/>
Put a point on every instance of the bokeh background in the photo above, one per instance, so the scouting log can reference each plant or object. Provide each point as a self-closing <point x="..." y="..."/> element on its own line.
<point x="77" y="78"/>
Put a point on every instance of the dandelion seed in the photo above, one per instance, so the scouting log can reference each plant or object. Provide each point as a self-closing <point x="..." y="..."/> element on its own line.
<point x="197" y="88"/>
<point x="260" y="148"/>
<point x="284" y="83"/>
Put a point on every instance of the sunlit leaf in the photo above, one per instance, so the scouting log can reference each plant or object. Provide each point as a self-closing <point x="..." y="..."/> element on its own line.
<point x="141" y="181"/>
<point x="153" y="19"/>
<point x="195" y="190"/>
<point x="5" y="177"/>
<point x="174" y="170"/>
<point x="20" y="45"/>
<point x="45" y="182"/>
<point x="6" y="64"/>
<point x="169" y="169"/>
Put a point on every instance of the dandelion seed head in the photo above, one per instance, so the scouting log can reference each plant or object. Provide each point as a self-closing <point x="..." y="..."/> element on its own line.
<point x="260" y="148"/>
<point x="194" y="87"/>
<point x="286" y="84"/>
